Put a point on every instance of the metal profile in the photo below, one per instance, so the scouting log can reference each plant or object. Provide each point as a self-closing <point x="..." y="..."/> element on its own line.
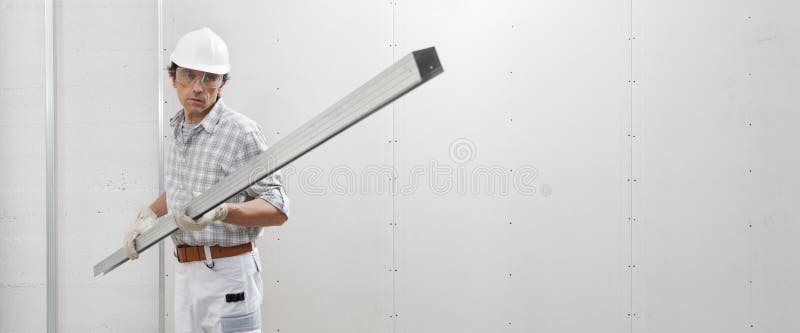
<point x="401" y="77"/>
<point x="161" y="272"/>
<point x="50" y="83"/>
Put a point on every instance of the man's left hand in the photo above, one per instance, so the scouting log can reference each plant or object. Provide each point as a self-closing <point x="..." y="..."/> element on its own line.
<point x="186" y="223"/>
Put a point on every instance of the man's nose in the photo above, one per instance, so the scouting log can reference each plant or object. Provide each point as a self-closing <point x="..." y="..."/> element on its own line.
<point x="196" y="87"/>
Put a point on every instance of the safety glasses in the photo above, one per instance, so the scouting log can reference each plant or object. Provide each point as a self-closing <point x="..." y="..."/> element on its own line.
<point x="207" y="80"/>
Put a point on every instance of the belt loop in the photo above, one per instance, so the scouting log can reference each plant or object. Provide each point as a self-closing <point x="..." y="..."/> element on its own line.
<point x="209" y="260"/>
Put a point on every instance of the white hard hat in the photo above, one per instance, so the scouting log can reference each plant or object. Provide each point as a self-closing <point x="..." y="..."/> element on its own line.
<point x="202" y="50"/>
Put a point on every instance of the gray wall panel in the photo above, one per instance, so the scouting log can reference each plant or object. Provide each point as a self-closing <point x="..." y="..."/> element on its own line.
<point x="23" y="276"/>
<point x="713" y="94"/>
<point x="107" y="161"/>
<point x="521" y="88"/>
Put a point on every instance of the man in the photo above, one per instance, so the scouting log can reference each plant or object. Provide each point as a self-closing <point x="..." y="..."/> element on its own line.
<point x="218" y="285"/>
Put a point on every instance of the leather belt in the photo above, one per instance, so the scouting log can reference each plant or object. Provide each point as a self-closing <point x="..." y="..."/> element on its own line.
<point x="186" y="253"/>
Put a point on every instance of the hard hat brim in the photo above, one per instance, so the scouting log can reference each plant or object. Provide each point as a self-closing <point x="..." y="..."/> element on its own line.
<point x="224" y="69"/>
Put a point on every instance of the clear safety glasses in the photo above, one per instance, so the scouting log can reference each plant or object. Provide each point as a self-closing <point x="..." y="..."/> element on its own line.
<point x="207" y="80"/>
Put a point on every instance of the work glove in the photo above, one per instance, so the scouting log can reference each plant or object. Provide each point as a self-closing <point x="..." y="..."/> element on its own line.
<point x="143" y="222"/>
<point x="186" y="223"/>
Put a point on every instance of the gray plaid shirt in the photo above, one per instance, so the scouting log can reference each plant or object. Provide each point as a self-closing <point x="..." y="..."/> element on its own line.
<point x="222" y="142"/>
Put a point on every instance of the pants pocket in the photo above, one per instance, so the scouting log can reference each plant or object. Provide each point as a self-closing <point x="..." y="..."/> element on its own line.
<point x="241" y="322"/>
<point x="256" y="262"/>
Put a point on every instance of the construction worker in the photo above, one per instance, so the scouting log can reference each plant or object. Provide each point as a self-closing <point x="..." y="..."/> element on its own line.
<point x="218" y="285"/>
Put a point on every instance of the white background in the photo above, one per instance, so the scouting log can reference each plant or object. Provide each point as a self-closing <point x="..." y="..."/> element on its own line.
<point x="662" y="137"/>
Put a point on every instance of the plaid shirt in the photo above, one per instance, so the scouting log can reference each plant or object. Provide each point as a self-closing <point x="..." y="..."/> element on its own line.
<point x="221" y="144"/>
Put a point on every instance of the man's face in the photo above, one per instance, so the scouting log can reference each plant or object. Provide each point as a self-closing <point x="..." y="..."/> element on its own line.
<point x="195" y="91"/>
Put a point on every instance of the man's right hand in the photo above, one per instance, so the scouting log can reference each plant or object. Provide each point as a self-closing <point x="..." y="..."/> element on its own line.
<point x="143" y="222"/>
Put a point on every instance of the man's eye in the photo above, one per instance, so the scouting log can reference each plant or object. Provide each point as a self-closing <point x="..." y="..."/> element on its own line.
<point x="211" y="78"/>
<point x="191" y="76"/>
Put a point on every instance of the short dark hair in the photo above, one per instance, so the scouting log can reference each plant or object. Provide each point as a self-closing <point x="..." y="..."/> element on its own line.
<point x="174" y="67"/>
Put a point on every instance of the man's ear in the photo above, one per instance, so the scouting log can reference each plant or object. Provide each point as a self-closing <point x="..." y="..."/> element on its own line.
<point x="173" y="82"/>
<point x="219" y="90"/>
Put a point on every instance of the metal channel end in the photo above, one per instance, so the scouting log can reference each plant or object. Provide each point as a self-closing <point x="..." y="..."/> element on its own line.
<point x="428" y="63"/>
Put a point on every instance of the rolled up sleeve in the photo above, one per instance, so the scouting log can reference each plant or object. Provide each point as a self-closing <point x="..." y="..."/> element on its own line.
<point x="271" y="187"/>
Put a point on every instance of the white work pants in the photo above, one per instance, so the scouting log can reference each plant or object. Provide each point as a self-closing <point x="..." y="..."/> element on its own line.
<point x="207" y="299"/>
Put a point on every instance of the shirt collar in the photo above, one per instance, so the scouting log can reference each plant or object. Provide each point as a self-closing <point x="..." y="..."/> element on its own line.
<point x="209" y="121"/>
<point x="212" y="118"/>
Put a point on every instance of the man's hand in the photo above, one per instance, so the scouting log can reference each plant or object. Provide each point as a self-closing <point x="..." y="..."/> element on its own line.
<point x="188" y="224"/>
<point x="143" y="222"/>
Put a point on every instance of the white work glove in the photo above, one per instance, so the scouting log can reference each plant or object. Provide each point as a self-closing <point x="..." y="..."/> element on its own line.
<point x="143" y="222"/>
<point x="186" y="223"/>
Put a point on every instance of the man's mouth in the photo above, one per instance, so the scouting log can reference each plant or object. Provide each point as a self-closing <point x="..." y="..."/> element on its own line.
<point x="195" y="100"/>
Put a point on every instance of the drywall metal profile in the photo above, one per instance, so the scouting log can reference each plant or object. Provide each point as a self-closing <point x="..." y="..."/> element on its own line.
<point x="162" y="311"/>
<point x="401" y="77"/>
<point x="51" y="86"/>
